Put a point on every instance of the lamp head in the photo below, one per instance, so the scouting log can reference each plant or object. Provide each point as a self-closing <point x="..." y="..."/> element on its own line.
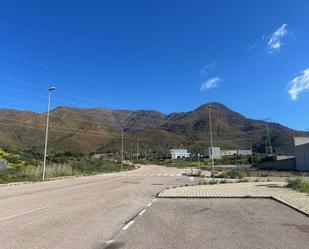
<point x="51" y="88"/>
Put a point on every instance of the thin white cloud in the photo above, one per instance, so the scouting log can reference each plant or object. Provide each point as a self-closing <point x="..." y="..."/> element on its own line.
<point x="207" y="67"/>
<point x="299" y="84"/>
<point x="210" y="83"/>
<point x="275" y="40"/>
<point x="251" y="47"/>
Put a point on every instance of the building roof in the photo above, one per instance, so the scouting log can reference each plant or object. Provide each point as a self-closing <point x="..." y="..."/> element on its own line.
<point x="179" y="150"/>
<point x="301" y="140"/>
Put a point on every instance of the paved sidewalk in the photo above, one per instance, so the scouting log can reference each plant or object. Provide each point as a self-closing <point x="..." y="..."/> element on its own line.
<point x="274" y="190"/>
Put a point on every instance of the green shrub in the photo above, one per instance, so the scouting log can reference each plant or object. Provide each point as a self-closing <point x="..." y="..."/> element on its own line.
<point x="263" y="175"/>
<point x="202" y="183"/>
<point x="243" y="180"/>
<point x="298" y="184"/>
<point x="213" y="182"/>
<point x="232" y="174"/>
<point x="200" y="173"/>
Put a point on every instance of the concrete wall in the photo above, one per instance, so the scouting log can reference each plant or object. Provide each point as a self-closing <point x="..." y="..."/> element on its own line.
<point x="301" y="153"/>
<point x="244" y="152"/>
<point x="215" y="152"/>
<point x="302" y="157"/>
<point x="287" y="164"/>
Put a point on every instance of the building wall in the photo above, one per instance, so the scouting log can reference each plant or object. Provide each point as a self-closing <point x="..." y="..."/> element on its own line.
<point x="215" y="151"/>
<point x="244" y="152"/>
<point x="302" y="157"/>
<point x="301" y="153"/>
<point x="179" y="153"/>
<point x="287" y="164"/>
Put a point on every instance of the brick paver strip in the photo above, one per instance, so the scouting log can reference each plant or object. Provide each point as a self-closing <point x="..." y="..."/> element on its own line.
<point x="274" y="190"/>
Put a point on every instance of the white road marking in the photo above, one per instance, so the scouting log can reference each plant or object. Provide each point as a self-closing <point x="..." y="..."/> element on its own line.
<point x="191" y="179"/>
<point x="178" y="174"/>
<point x="158" y="174"/>
<point x="165" y="174"/>
<point x="172" y="174"/>
<point x="128" y="225"/>
<point x="149" y="204"/>
<point x="154" y="200"/>
<point x="142" y="212"/>
<point x="24" y="213"/>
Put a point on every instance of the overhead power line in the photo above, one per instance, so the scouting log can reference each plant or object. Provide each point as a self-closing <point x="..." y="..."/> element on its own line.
<point x="80" y="97"/>
<point x="127" y="115"/>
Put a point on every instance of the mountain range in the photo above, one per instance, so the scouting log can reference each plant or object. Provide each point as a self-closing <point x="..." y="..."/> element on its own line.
<point x="100" y="130"/>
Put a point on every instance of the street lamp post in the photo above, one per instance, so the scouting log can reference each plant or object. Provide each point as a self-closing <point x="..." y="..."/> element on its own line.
<point x="121" y="149"/>
<point x="46" y="134"/>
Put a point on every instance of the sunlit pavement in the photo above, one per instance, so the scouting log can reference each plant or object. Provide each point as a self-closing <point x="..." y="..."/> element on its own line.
<point x="214" y="223"/>
<point x="79" y="212"/>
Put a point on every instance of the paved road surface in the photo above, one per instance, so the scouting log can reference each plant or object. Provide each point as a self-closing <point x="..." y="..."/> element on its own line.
<point x="81" y="212"/>
<point x="215" y="224"/>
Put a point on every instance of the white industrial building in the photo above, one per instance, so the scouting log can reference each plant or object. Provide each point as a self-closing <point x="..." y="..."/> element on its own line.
<point x="297" y="155"/>
<point x="228" y="152"/>
<point x="217" y="152"/>
<point x="213" y="152"/>
<point x="179" y="153"/>
<point x="244" y="152"/>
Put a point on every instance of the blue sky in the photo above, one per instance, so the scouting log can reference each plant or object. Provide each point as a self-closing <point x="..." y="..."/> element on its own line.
<point x="171" y="56"/>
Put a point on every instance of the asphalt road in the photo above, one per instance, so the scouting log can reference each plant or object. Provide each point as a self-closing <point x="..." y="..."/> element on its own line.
<point x="82" y="212"/>
<point x="215" y="224"/>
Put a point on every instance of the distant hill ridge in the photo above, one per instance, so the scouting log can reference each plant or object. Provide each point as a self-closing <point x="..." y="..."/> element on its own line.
<point x="99" y="130"/>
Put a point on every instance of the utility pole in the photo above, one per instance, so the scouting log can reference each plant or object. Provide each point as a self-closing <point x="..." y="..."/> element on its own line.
<point x="132" y="153"/>
<point x="137" y="150"/>
<point x="102" y="162"/>
<point x="211" y="144"/>
<point x="121" y="149"/>
<point x="269" y="141"/>
<point x="252" y="162"/>
<point x="145" y="155"/>
<point x="236" y="162"/>
<point x="46" y="133"/>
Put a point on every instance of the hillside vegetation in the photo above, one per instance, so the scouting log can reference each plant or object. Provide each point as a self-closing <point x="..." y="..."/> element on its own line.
<point x="17" y="166"/>
<point x="87" y="131"/>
